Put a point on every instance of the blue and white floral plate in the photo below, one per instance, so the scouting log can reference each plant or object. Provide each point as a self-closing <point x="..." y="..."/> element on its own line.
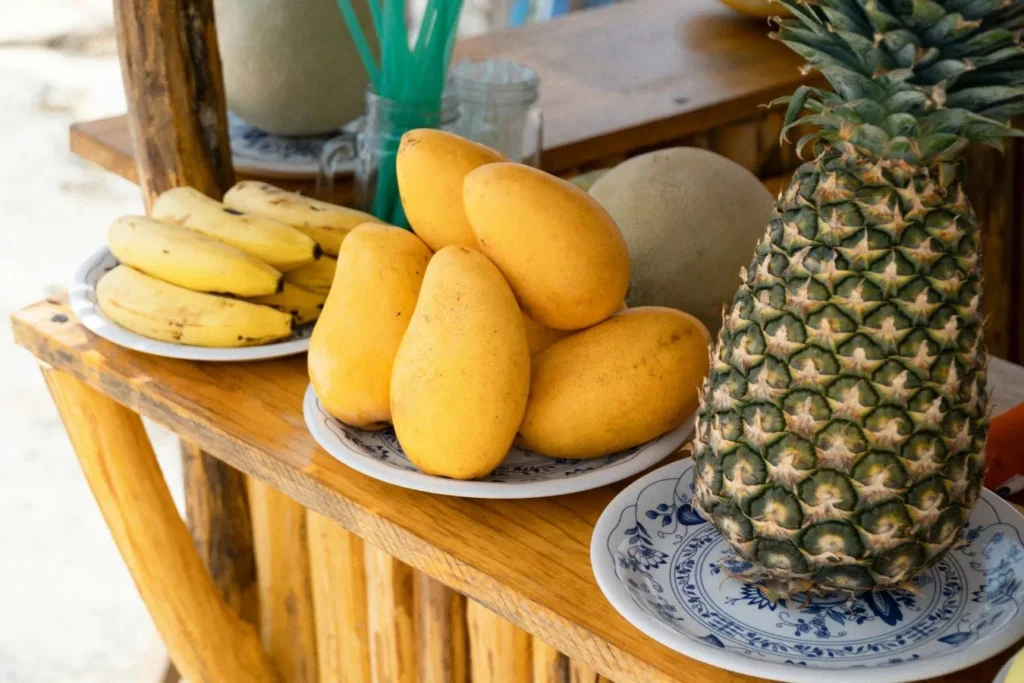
<point x="522" y="474"/>
<point x="662" y="567"/>
<point x="82" y="299"/>
<point x="261" y="153"/>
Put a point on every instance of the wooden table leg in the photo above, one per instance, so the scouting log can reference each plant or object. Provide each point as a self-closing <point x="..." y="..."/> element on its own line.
<point x="287" y="623"/>
<point x="206" y="640"/>
<point x="499" y="651"/>
<point x="390" y="600"/>
<point x="442" y="641"/>
<point x="217" y="510"/>
<point x="339" y="601"/>
<point x="549" y="665"/>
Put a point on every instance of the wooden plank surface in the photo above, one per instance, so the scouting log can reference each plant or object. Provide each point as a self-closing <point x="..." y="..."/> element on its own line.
<point x="526" y="560"/>
<point x="613" y="79"/>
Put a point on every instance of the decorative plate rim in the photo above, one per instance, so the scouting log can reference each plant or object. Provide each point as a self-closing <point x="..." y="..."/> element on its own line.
<point x="80" y="300"/>
<point x="603" y="566"/>
<point x="247" y="160"/>
<point x="316" y="422"/>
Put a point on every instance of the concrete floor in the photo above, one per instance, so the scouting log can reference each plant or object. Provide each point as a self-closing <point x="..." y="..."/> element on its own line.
<point x="68" y="610"/>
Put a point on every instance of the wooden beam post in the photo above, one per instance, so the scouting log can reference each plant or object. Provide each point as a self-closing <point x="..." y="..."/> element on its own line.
<point x="170" y="65"/>
<point x="173" y="83"/>
<point x="339" y="601"/>
<point x="287" y="623"/>
<point x="207" y="641"/>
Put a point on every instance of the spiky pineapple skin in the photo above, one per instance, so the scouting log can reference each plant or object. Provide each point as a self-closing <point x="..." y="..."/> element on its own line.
<point x="840" y="438"/>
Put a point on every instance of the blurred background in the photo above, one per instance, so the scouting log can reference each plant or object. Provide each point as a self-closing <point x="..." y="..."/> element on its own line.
<point x="70" y="612"/>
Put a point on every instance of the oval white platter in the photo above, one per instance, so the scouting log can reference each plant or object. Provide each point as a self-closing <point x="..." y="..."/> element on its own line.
<point x="665" y="570"/>
<point x="258" y="152"/>
<point x="521" y="475"/>
<point x="82" y="298"/>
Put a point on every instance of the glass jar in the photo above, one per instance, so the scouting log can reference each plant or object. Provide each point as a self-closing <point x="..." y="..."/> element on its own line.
<point x="498" y="102"/>
<point x="371" y="149"/>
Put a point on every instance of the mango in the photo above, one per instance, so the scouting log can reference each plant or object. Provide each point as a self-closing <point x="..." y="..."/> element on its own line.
<point x="462" y="373"/>
<point x="539" y="337"/>
<point x="615" y="385"/>
<point x="431" y="165"/>
<point x="560" y="251"/>
<point x="371" y="301"/>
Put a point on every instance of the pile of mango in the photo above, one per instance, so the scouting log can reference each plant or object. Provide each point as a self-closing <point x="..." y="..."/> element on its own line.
<point x="498" y="319"/>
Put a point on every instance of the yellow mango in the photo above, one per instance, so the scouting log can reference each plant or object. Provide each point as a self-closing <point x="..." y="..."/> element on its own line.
<point x="462" y="373"/>
<point x="615" y="385"/>
<point x="539" y="337"/>
<point x="560" y="251"/>
<point x="378" y="278"/>
<point x="431" y="165"/>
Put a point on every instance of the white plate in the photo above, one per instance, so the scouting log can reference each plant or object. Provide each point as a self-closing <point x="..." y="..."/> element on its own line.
<point x="661" y="566"/>
<point x="522" y="474"/>
<point x="258" y="152"/>
<point x="82" y="296"/>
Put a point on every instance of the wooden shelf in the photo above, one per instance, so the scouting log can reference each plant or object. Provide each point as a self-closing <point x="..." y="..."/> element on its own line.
<point x="527" y="560"/>
<point x="613" y="80"/>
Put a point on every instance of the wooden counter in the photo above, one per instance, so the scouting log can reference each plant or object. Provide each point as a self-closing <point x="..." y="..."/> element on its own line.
<point x="526" y="560"/>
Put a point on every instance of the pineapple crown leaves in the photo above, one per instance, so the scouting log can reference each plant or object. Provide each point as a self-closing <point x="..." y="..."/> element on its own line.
<point x="915" y="80"/>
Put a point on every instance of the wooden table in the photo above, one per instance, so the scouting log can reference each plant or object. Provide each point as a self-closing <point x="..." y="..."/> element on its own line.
<point x="527" y="560"/>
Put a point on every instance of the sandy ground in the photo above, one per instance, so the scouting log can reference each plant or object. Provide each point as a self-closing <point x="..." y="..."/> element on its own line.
<point x="68" y="609"/>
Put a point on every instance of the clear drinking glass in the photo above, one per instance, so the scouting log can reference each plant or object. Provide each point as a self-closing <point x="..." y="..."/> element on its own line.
<point x="372" y="147"/>
<point x="498" y="99"/>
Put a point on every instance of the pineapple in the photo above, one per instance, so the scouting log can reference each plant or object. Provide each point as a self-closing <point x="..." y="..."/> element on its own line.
<point x="841" y="433"/>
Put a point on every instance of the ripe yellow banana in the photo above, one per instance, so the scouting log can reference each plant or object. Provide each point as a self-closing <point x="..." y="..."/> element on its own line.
<point x="301" y="303"/>
<point x="316" y="276"/>
<point x="189" y="259"/>
<point x="280" y="245"/>
<point x="326" y="223"/>
<point x="160" y="310"/>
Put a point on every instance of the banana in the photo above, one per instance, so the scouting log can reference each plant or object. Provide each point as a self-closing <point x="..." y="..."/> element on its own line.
<point x="188" y="259"/>
<point x="316" y="276"/>
<point x="160" y="310"/>
<point x="280" y="245"/>
<point x="326" y="223"/>
<point x="301" y="303"/>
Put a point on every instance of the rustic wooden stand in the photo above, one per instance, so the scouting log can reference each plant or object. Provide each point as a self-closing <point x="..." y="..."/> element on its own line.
<point x="295" y="568"/>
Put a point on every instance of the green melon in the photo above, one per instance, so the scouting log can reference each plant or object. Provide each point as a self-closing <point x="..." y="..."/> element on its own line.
<point x="690" y="218"/>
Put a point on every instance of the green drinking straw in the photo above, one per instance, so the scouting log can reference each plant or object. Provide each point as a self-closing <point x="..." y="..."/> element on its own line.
<point x="415" y="74"/>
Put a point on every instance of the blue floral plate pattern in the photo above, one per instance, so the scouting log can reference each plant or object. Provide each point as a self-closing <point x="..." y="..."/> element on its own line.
<point x="668" y="571"/>
<point x="82" y="299"/>
<point x="523" y="474"/>
<point x="261" y="153"/>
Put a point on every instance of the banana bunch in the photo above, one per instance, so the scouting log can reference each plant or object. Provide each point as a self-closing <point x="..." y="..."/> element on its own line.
<point x="240" y="273"/>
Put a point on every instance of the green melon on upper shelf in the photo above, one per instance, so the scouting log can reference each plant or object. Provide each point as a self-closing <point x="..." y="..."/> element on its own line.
<point x="841" y="433"/>
<point x="690" y="218"/>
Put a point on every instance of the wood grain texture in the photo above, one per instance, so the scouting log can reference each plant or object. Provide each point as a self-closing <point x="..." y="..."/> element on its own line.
<point x="206" y="640"/>
<point x="217" y="510"/>
<point x="442" y="643"/>
<point x="499" y="651"/>
<point x="391" y="606"/>
<point x="287" y="622"/>
<point x="581" y="673"/>
<point x="170" y="65"/>
<point x="549" y="665"/>
<point x="339" y="601"/>
<point x="501" y="553"/>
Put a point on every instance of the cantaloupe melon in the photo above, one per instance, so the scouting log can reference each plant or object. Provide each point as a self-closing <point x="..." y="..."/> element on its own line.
<point x="691" y="219"/>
